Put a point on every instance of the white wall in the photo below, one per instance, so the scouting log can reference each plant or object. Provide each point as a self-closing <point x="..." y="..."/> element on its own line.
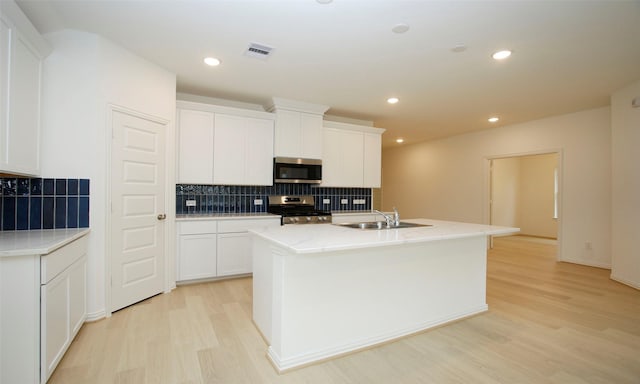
<point x="505" y="192"/>
<point x="536" y="199"/>
<point x="81" y="78"/>
<point x="625" y="122"/>
<point x="448" y="179"/>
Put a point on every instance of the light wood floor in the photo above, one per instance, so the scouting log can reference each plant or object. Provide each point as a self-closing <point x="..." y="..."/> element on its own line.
<point x="547" y="322"/>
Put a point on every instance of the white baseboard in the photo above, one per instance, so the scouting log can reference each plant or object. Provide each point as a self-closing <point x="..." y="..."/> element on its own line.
<point x="625" y="281"/>
<point x="95" y="316"/>
<point x="588" y="263"/>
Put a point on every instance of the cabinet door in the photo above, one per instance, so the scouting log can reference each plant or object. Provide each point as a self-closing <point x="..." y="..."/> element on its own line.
<point x="195" y="147"/>
<point x="196" y="256"/>
<point x="372" y="160"/>
<point x="229" y="149"/>
<point x="54" y="323"/>
<point x="312" y="143"/>
<point x="77" y="295"/>
<point x="342" y="164"/>
<point x="288" y="136"/>
<point x="234" y="254"/>
<point x="21" y="147"/>
<point x="259" y="152"/>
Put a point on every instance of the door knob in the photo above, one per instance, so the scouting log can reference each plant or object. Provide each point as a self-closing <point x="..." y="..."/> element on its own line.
<point x="162" y="216"/>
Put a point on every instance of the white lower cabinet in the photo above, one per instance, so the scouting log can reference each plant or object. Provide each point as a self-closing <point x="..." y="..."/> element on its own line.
<point x="217" y="247"/>
<point x="42" y="307"/>
<point x="63" y="300"/>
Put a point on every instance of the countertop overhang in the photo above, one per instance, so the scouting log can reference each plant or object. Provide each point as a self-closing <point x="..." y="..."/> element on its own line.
<point x="316" y="238"/>
<point x="37" y="242"/>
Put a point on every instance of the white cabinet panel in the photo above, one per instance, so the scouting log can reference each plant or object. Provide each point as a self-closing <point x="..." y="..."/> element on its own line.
<point x="20" y="93"/>
<point x="298" y="134"/>
<point x="372" y="160"/>
<point x="311" y="142"/>
<point x="229" y="149"/>
<point x="197" y="256"/>
<point x="55" y="322"/>
<point x="259" y="154"/>
<point x="342" y="164"/>
<point x="234" y="254"/>
<point x="195" y="146"/>
<point x="243" y="151"/>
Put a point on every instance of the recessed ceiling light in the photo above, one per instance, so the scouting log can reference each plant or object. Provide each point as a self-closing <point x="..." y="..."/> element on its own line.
<point x="400" y="140"/>
<point x="392" y="100"/>
<point x="400" y="28"/>
<point x="501" y="55"/>
<point x="493" y="119"/>
<point x="212" y="61"/>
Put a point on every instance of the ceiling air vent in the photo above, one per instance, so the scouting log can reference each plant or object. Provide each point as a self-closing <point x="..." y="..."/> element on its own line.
<point x="259" y="51"/>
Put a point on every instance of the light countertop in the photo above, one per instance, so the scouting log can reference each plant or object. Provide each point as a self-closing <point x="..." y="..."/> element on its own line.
<point x="226" y="216"/>
<point x="329" y="237"/>
<point x="37" y="242"/>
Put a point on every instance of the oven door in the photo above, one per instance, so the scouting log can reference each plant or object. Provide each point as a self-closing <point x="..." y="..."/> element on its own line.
<point x="293" y="170"/>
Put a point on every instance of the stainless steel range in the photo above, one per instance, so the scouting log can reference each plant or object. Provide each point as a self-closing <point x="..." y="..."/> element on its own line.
<point x="297" y="210"/>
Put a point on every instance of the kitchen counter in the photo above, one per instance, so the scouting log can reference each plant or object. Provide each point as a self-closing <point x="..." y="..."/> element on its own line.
<point x="329" y="237"/>
<point x="37" y="242"/>
<point x="324" y="290"/>
<point x="226" y="216"/>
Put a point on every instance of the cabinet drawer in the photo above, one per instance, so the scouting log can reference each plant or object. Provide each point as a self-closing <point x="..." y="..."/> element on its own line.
<point x="242" y="225"/>
<point x="197" y="227"/>
<point x="52" y="264"/>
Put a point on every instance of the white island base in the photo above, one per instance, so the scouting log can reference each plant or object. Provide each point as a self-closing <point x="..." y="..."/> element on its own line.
<point x="313" y="305"/>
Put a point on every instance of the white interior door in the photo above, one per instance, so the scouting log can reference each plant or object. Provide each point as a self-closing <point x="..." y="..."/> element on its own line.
<point x="137" y="209"/>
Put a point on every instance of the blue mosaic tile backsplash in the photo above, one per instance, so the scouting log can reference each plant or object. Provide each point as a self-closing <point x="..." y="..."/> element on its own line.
<point x="43" y="203"/>
<point x="240" y="199"/>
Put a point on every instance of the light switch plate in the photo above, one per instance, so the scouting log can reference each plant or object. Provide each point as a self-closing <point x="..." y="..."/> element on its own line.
<point x="257" y="202"/>
<point x="326" y="201"/>
<point x="191" y="203"/>
<point x="344" y="201"/>
<point x="358" y="201"/>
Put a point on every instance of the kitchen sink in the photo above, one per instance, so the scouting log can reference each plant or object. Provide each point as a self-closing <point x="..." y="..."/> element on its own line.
<point x="381" y="225"/>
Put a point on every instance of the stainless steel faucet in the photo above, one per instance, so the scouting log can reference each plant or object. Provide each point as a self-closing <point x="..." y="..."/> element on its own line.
<point x="391" y="221"/>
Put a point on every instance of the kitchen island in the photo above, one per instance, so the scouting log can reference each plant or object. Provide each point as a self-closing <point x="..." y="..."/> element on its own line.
<point x="324" y="290"/>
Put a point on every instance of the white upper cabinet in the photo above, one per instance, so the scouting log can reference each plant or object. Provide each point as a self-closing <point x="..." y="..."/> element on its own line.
<point x="242" y="151"/>
<point x="22" y="51"/>
<point x="298" y="129"/>
<point x="351" y="155"/>
<point x="372" y="159"/>
<point x="224" y="145"/>
<point x="195" y="146"/>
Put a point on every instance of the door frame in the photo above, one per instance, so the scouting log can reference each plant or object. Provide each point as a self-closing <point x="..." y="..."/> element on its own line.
<point x="559" y="152"/>
<point x="169" y="199"/>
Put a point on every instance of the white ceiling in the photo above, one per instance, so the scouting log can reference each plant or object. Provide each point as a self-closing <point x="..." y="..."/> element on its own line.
<point x="568" y="55"/>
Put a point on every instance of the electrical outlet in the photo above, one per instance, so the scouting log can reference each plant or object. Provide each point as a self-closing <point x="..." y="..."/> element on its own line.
<point x="191" y="203"/>
<point x="257" y="202"/>
<point x="358" y="201"/>
<point x="344" y="201"/>
<point x="326" y="201"/>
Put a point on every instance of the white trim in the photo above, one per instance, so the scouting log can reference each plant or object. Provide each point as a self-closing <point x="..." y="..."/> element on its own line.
<point x="180" y="104"/>
<point x="297" y="106"/>
<point x="486" y="214"/>
<point x="624" y="281"/>
<point x="351" y="127"/>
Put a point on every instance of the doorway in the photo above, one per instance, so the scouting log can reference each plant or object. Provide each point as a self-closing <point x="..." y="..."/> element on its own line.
<point x="524" y="192"/>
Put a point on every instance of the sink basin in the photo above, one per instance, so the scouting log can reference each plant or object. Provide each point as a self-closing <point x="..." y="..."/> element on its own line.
<point x="381" y="225"/>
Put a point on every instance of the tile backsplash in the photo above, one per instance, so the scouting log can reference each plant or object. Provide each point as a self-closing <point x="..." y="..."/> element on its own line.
<point x="241" y="199"/>
<point x="36" y="203"/>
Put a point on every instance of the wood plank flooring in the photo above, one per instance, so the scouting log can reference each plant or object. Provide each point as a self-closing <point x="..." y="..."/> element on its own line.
<point x="547" y="322"/>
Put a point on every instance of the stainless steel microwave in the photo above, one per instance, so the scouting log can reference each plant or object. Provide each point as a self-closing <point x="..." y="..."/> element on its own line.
<point x="294" y="170"/>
